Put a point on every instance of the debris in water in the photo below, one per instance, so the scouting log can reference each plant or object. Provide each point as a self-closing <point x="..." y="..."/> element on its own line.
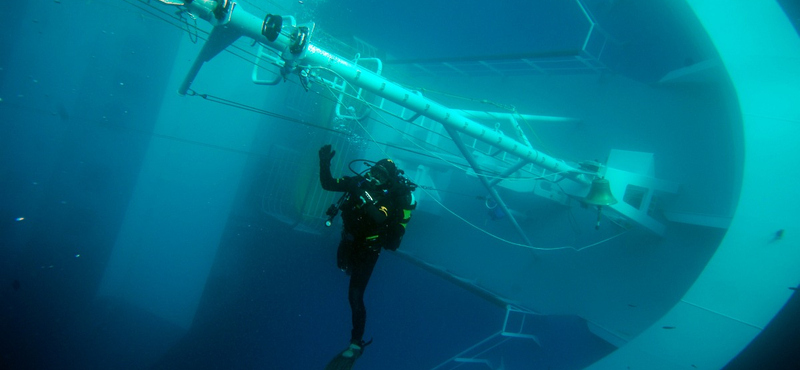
<point x="20" y="218"/>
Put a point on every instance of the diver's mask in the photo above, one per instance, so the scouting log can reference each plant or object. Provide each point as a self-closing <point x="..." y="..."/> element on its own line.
<point x="378" y="176"/>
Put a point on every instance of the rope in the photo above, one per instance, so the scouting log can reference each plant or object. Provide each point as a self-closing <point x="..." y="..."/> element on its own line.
<point x="188" y="28"/>
<point x="476" y="227"/>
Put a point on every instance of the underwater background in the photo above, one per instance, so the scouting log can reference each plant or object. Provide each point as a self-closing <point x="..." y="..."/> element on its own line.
<point x="133" y="231"/>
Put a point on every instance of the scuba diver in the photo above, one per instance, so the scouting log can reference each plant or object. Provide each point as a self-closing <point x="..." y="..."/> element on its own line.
<point x="376" y="207"/>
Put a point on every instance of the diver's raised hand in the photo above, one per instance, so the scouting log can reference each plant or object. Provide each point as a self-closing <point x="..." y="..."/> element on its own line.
<point x="325" y="155"/>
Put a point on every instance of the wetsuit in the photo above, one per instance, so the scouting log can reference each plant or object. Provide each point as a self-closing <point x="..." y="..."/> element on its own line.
<point x="374" y="218"/>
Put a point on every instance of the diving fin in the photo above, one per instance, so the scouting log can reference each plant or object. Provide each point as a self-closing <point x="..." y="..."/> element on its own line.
<point x="346" y="359"/>
<point x="341" y="362"/>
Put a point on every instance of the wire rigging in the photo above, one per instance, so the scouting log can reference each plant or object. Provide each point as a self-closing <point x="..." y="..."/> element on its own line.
<point x="181" y="22"/>
<point x="178" y="17"/>
<point x="432" y="196"/>
<point x="464" y="168"/>
<point x="508" y="107"/>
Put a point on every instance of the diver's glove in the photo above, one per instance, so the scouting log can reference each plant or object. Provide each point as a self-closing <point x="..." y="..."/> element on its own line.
<point x="325" y="155"/>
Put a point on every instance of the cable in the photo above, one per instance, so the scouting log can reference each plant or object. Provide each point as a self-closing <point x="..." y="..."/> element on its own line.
<point x="507" y="107"/>
<point x="166" y="17"/>
<point x="189" y="29"/>
<point x="520" y="244"/>
<point x="196" y="36"/>
<point x="249" y="108"/>
<point x="404" y="135"/>
<point x="425" y="189"/>
<point x="383" y="121"/>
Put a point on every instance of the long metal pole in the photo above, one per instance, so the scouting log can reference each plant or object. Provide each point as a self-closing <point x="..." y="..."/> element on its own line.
<point x="451" y="118"/>
<point x="251" y="26"/>
<point x="492" y="191"/>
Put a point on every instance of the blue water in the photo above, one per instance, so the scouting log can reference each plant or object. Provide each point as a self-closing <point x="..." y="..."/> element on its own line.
<point x="82" y="86"/>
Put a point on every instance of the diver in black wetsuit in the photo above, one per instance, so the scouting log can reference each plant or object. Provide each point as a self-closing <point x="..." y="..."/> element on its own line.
<point x="375" y="210"/>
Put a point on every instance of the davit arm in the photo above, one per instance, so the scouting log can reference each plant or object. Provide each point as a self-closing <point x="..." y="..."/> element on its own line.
<point x="230" y="22"/>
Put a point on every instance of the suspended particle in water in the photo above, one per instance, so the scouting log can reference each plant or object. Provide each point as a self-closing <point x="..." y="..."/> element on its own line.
<point x="20" y="218"/>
